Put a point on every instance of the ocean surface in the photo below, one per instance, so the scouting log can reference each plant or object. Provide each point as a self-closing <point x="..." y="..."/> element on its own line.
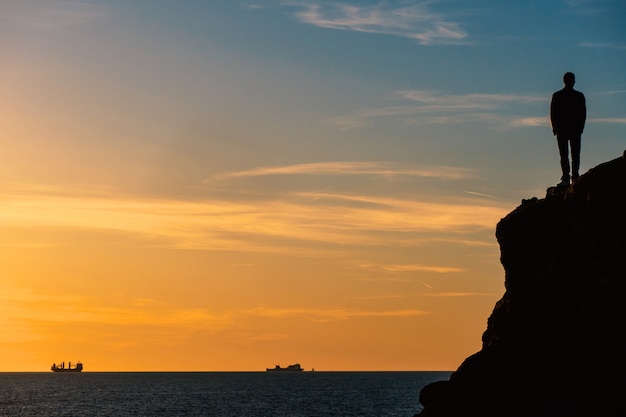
<point x="219" y="394"/>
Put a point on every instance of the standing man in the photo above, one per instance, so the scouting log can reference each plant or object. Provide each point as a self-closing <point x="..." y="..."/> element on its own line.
<point x="567" y="114"/>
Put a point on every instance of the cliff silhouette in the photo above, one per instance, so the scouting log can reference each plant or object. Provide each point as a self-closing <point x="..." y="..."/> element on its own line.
<point x="554" y="344"/>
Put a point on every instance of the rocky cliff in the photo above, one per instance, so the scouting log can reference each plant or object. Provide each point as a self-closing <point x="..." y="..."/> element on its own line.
<point x="554" y="344"/>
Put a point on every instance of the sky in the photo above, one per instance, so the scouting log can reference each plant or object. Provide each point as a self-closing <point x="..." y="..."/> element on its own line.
<point x="231" y="185"/>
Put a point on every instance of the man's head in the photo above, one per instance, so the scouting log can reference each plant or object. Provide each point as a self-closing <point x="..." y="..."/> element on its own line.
<point x="569" y="79"/>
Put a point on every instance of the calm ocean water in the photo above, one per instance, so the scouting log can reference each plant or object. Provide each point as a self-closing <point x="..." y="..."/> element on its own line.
<point x="219" y="394"/>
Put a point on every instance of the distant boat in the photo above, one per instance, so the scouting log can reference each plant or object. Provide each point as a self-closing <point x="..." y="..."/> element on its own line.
<point x="61" y="368"/>
<point x="291" y="368"/>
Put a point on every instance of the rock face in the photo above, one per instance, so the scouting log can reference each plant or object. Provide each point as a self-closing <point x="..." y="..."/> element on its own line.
<point x="554" y="344"/>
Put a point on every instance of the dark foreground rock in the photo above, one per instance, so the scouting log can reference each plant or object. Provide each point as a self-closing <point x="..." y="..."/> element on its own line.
<point x="554" y="344"/>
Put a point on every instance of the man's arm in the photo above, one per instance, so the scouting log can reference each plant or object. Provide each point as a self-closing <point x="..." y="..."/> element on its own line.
<point x="553" y="114"/>
<point x="583" y="115"/>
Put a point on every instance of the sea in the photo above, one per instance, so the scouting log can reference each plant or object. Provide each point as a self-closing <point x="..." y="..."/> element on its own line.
<point x="214" y="394"/>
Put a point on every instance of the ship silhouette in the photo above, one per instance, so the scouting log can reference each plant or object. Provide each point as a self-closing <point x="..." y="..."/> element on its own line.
<point x="291" y="368"/>
<point x="78" y="367"/>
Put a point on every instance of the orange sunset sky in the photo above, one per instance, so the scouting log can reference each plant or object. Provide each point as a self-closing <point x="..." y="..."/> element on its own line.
<point x="231" y="185"/>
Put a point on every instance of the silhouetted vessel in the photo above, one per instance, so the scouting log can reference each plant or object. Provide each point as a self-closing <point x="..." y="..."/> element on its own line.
<point x="291" y="368"/>
<point x="61" y="368"/>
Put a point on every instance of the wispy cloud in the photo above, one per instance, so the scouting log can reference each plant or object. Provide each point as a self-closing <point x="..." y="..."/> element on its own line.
<point x="254" y="6"/>
<point x="544" y="121"/>
<point x="283" y="223"/>
<point x="24" y="313"/>
<point x="50" y="14"/>
<point x="483" y="195"/>
<point x="456" y="294"/>
<point x="386" y="169"/>
<point x="531" y="122"/>
<point x="432" y="107"/>
<point x="465" y="101"/>
<point x="592" y="7"/>
<point x="611" y="92"/>
<point x="401" y="268"/>
<point x="615" y="120"/>
<point x="331" y="314"/>
<point x="604" y="45"/>
<point x="416" y="21"/>
<point x="446" y="294"/>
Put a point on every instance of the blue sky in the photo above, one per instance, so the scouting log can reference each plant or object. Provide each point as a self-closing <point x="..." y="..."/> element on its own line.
<point x="209" y="159"/>
<point x="456" y="81"/>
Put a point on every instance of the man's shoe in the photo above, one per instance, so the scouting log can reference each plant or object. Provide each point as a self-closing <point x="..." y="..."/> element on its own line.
<point x="564" y="183"/>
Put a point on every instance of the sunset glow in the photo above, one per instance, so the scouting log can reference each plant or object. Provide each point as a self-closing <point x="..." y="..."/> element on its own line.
<point x="212" y="186"/>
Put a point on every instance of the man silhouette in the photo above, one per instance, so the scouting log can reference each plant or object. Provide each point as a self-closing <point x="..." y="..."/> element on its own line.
<point x="567" y="114"/>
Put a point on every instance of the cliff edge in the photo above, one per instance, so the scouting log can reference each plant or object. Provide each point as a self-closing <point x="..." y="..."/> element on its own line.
<point x="554" y="344"/>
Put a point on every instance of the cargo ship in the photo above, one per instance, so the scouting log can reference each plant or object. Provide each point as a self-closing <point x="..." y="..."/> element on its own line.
<point x="291" y="368"/>
<point x="78" y="367"/>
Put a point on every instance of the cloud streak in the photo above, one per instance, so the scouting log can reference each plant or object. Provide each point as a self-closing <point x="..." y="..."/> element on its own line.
<point x="26" y="315"/>
<point x="386" y="169"/>
<point x="456" y="294"/>
<point x="465" y="101"/>
<point x="403" y="268"/>
<point x="614" y="120"/>
<point x="332" y="314"/>
<point x="416" y="22"/>
<point x="284" y="223"/>
<point x="432" y="107"/>
<point x="51" y="14"/>
<point x="592" y="7"/>
<point x="604" y="45"/>
<point x="531" y="122"/>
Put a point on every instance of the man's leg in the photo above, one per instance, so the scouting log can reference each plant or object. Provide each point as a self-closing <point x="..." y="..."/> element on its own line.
<point x="575" y="144"/>
<point x="563" y="152"/>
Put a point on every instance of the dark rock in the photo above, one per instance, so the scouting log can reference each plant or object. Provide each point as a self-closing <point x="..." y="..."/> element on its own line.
<point x="554" y="344"/>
